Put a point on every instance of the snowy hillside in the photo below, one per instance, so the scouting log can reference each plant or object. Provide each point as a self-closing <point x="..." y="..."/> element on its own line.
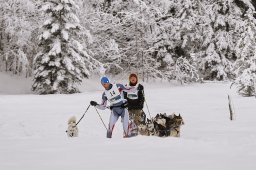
<point x="33" y="135"/>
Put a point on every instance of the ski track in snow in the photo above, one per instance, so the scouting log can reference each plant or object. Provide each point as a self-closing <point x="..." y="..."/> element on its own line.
<point x="32" y="129"/>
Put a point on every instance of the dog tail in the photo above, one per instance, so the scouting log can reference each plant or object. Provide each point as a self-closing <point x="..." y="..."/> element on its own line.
<point x="72" y="120"/>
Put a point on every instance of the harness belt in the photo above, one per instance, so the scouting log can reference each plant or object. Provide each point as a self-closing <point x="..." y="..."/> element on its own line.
<point x="124" y="105"/>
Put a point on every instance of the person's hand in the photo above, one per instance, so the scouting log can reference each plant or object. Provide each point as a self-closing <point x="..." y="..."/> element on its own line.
<point x="93" y="103"/>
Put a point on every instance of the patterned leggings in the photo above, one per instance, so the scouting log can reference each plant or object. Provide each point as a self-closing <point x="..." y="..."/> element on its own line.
<point x="115" y="114"/>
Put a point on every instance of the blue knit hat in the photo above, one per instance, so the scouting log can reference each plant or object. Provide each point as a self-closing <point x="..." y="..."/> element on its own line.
<point x="104" y="79"/>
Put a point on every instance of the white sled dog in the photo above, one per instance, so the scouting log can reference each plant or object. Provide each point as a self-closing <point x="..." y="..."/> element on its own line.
<point x="72" y="128"/>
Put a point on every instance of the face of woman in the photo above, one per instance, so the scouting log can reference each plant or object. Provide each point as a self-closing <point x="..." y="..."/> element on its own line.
<point x="133" y="80"/>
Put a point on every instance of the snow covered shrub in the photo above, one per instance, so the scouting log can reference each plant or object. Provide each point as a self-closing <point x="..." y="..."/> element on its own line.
<point x="246" y="76"/>
<point x="185" y="71"/>
<point x="246" y="82"/>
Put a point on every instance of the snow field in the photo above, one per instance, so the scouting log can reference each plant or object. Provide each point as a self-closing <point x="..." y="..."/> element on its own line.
<point x="33" y="132"/>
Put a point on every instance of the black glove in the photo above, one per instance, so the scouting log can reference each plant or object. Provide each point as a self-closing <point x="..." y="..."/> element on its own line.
<point x="111" y="107"/>
<point x="140" y="87"/>
<point x="124" y="105"/>
<point x="93" y="103"/>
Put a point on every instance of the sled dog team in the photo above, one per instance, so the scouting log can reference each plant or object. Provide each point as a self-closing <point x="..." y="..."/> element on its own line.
<point x="162" y="126"/>
<point x="127" y="101"/>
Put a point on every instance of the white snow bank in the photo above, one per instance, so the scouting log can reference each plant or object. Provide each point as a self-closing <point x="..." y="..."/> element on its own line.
<point x="13" y="84"/>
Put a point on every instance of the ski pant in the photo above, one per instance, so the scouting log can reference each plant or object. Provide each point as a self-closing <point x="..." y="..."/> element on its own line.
<point x="136" y="115"/>
<point x="115" y="114"/>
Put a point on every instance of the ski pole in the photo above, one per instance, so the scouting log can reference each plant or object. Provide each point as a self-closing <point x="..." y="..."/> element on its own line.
<point x="147" y="105"/>
<point x="83" y="115"/>
<point x="101" y="119"/>
<point x="148" y="110"/>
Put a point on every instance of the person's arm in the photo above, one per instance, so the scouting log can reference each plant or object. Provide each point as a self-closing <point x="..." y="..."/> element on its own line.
<point x="125" y="93"/>
<point x="103" y="104"/>
<point x="124" y="89"/>
<point x="141" y="95"/>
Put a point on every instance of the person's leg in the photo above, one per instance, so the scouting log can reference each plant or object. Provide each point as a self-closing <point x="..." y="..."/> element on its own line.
<point x="131" y="114"/>
<point x="132" y="127"/>
<point x="137" y="117"/>
<point x="125" y="118"/>
<point x="112" y="121"/>
<point x="136" y="122"/>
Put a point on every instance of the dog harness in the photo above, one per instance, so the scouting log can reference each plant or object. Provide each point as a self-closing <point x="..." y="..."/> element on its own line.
<point x="113" y="95"/>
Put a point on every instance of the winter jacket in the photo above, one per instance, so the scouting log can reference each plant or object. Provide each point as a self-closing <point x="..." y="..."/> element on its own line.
<point x="136" y="103"/>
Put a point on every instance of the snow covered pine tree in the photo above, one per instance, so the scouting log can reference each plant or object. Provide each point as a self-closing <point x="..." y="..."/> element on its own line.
<point x="245" y="65"/>
<point x="61" y="63"/>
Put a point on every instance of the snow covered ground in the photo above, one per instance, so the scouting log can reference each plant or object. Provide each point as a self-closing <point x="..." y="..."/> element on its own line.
<point x="32" y="131"/>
